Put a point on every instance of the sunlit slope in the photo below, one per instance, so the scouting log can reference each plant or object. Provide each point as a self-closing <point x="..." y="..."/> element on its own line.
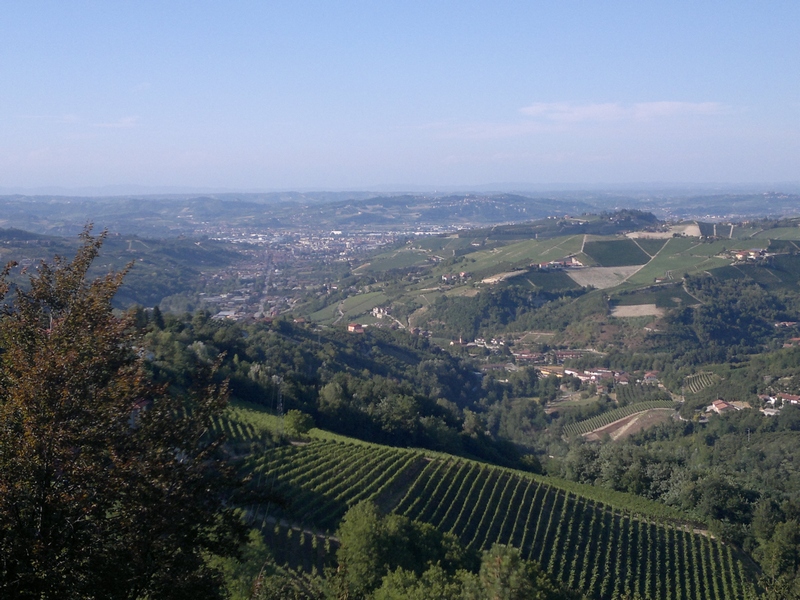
<point x="521" y="254"/>
<point x="601" y="543"/>
<point x="685" y="255"/>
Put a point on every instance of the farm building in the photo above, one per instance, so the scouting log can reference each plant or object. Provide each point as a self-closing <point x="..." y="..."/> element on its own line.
<point x="719" y="406"/>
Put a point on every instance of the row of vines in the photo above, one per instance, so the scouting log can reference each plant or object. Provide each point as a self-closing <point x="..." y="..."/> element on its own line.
<point x="633" y="393"/>
<point x="318" y="482"/>
<point x="699" y="381"/>
<point x="616" y="414"/>
<point x="600" y="552"/>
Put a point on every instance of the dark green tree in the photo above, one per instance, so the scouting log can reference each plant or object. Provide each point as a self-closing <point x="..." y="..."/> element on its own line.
<point x="297" y="423"/>
<point x="109" y="486"/>
<point x="504" y="575"/>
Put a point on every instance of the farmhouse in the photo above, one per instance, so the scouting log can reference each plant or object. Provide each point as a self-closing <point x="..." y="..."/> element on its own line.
<point x="651" y="377"/>
<point x="355" y="328"/>
<point x="719" y="406"/>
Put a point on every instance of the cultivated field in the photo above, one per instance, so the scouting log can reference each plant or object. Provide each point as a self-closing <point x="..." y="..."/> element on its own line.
<point x="350" y="308"/>
<point x="616" y="253"/>
<point x="602" y="277"/>
<point x="633" y="424"/>
<point x="606" y="418"/>
<point x="688" y="229"/>
<point x="525" y="253"/>
<point x="637" y="310"/>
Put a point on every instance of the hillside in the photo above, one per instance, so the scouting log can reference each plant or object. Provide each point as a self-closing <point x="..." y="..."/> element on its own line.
<point x="496" y="281"/>
<point x="601" y="543"/>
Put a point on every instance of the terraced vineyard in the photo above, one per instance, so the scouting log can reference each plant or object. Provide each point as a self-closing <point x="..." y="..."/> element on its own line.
<point x="602" y="550"/>
<point x="616" y="414"/>
<point x="699" y="381"/>
<point x="633" y="393"/>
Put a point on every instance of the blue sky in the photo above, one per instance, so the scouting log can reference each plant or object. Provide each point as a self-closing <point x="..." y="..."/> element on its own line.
<point x="354" y="95"/>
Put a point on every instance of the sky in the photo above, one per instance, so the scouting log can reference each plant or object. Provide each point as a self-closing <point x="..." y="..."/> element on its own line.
<point x="264" y="96"/>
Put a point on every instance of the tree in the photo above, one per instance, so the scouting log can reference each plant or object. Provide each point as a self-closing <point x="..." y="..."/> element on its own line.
<point x="297" y="423"/>
<point x="109" y="486"/>
<point x="372" y="545"/>
<point x="504" y="575"/>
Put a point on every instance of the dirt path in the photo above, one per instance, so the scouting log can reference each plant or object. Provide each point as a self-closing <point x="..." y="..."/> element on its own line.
<point x="631" y="424"/>
<point x="341" y="313"/>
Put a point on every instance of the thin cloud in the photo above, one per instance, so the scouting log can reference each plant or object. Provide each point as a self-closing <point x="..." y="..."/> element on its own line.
<point x="481" y="130"/>
<point x="51" y="118"/>
<point x="123" y="123"/>
<point x="565" y="112"/>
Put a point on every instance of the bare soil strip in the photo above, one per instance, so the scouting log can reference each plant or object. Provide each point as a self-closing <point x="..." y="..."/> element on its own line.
<point x="631" y="424"/>
<point x="637" y="310"/>
<point x="602" y="277"/>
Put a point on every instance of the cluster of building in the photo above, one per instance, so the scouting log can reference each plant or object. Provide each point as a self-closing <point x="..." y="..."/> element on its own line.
<point x="751" y="255"/>
<point x="771" y="404"/>
<point x="552" y="357"/>
<point x="610" y="376"/>
<point x="555" y="265"/>
<point x="455" y="277"/>
<point x="330" y="244"/>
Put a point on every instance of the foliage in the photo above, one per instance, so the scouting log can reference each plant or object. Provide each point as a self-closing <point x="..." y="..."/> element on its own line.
<point x="492" y="310"/>
<point x="372" y="545"/>
<point x="109" y="486"/>
<point x="382" y="386"/>
<point x="504" y="575"/>
<point x="297" y="423"/>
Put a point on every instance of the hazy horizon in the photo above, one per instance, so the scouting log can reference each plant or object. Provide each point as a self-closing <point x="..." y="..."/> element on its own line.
<point x="665" y="188"/>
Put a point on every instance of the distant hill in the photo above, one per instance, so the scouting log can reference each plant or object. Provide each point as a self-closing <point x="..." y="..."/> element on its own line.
<point x="190" y="214"/>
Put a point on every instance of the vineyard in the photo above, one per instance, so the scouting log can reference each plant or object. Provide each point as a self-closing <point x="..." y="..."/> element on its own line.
<point x="587" y="425"/>
<point x="633" y="393"/>
<point x="699" y="381"/>
<point x="616" y="253"/>
<point x="602" y="550"/>
<point x="323" y="479"/>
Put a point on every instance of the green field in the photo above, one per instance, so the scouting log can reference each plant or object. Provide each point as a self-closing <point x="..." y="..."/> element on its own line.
<point x="525" y="253"/>
<point x="683" y="255"/>
<point x="396" y="259"/>
<point x="667" y="296"/>
<point x="547" y="280"/>
<point x="444" y="244"/>
<point x="706" y="229"/>
<point x="600" y="543"/>
<point x="616" y="253"/>
<point x="699" y="381"/>
<point x="779" y="233"/>
<point x="651" y="245"/>
<point x="779" y="272"/>
<point x="783" y="246"/>
<point x="351" y="307"/>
